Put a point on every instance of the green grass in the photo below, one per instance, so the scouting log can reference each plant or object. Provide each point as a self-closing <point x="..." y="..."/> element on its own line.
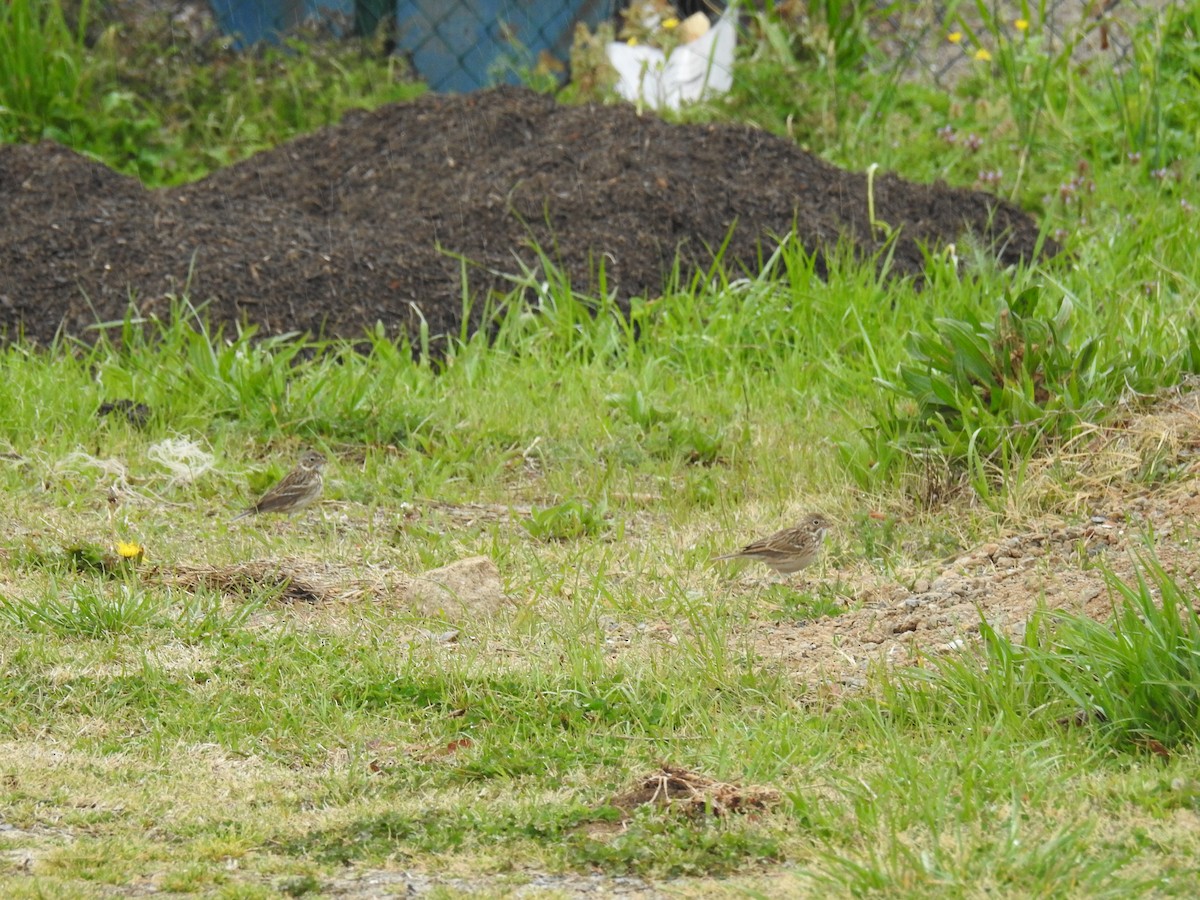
<point x="237" y="745"/>
<point x="170" y="111"/>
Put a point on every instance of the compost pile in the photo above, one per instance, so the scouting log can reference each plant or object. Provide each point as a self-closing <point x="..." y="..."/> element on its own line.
<point x="378" y="218"/>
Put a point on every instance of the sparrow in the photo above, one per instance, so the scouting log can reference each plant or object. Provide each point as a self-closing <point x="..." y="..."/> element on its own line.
<point x="789" y="550"/>
<point x="297" y="489"/>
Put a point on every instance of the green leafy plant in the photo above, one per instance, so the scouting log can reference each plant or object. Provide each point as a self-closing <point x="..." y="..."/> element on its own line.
<point x="665" y="433"/>
<point x="804" y="606"/>
<point x="982" y="392"/>
<point x="566" y="521"/>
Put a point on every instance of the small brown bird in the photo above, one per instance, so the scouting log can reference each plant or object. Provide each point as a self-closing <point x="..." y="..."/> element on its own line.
<point x="789" y="550"/>
<point x="297" y="489"/>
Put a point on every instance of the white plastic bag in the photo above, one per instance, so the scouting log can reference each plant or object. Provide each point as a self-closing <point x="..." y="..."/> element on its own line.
<point x="704" y="66"/>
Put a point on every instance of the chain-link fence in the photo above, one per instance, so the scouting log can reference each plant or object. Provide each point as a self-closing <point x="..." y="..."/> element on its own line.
<point x="468" y="44"/>
<point x="943" y="40"/>
<point x="464" y="45"/>
<point x="252" y="21"/>
<point x="453" y="45"/>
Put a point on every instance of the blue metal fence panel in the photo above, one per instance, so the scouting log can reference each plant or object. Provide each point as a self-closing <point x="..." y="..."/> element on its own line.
<point x="268" y="20"/>
<point x="469" y="44"/>
<point x="454" y="45"/>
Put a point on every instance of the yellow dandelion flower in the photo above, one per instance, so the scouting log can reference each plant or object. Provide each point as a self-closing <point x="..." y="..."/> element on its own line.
<point x="954" y="37"/>
<point x="130" y="550"/>
<point x="632" y="42"/>
<point x="1021" y="24"/>
<point x="670" y="23"/>
<point x="982" y="55"/>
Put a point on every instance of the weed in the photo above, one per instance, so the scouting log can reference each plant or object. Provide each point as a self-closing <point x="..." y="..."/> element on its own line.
<point x="566" y="521"/>
<point x="986" y="393"/>
<point x="95" y="610"/>
<point x="796" y="606"/>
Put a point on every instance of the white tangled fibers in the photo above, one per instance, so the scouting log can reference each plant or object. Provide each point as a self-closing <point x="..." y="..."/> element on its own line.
<point x="184" y="459"/>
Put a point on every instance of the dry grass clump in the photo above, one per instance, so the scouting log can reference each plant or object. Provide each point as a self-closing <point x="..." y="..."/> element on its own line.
<point x="292" y="580"/>
<point x="465" y="588"/>
<point x="694" y="795"/>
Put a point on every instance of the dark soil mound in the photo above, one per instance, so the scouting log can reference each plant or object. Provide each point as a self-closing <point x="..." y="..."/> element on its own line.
<point x="366" y="221"/>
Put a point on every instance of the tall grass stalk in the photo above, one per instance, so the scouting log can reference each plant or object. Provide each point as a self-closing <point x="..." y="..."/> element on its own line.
<point x="44" y="78"/>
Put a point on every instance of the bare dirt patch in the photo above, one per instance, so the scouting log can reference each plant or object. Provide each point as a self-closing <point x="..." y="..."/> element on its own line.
<point x="1138" y="490"/>
<point x="370" y="220"/>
